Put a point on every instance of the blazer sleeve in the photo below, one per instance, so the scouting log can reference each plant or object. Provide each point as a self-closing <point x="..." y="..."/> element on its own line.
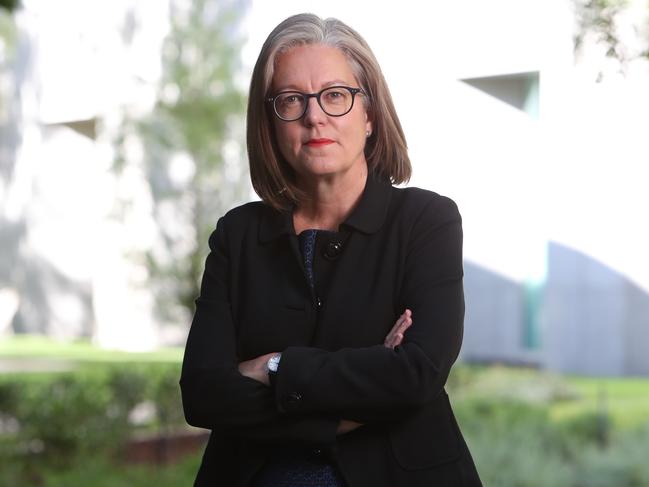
<point x="214" y="394"/>
<point x="377" y="383"/>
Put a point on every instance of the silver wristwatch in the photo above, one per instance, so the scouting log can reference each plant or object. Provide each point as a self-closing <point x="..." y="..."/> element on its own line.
<point x="273" y="363"/>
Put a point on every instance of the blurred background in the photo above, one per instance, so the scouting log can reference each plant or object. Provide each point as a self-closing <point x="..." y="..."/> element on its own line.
<point x="122" y="142"/>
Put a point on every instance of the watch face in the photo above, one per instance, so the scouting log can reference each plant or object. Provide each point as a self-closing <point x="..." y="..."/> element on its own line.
<point x="273" y="363"/>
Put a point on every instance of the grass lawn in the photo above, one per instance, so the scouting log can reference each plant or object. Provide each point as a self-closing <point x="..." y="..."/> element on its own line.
<point x="99" y="472"/>
<point x="625" y="399"/>
<point x="39" y="347"/>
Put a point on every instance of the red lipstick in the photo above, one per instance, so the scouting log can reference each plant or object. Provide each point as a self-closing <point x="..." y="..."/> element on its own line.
<point x="319" y="142"/>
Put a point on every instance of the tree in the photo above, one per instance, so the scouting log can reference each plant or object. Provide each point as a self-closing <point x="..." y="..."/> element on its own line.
<point x="9" y="5"/>
<point x="610" y="25"/>
<point x="192" y="145"/>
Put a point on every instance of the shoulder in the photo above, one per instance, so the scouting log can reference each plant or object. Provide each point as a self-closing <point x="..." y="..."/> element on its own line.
<point x="424" y="206"/>
<point x="238" y="221"/>
<point x="252" y="215"/>
<point x="245" y="214"/>
<point x="255" y="221"/>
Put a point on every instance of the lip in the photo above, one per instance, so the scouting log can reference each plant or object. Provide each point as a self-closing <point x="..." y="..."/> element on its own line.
<point x="318" y="142"/>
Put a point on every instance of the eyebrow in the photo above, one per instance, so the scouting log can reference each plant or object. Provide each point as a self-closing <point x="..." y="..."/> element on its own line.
<point x="335" y="82"/>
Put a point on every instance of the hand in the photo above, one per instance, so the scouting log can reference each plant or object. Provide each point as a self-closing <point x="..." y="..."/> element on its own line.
<point x="346" y="425"/>
<point x="395" y="337"/>
<point x="257" y="368"/>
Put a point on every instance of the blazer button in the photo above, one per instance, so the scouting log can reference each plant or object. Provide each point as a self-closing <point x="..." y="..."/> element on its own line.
<point x="316" y="452"/>
<point x="332" y="250"/>
<point x="318" y="303"/>
<point x="294" y="397"/>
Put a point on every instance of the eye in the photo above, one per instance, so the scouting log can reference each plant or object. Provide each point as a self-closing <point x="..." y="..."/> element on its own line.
<point x="336" y="96"/>
<point x="289" y="99"/>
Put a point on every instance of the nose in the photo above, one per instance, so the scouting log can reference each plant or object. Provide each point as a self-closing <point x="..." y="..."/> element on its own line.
<point x="314" y="114"/>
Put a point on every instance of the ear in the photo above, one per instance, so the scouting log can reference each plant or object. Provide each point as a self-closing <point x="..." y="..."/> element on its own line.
<point x="368" y="122"/>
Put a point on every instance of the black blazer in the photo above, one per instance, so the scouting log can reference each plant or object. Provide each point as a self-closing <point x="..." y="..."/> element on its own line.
<point x="400" y="248"/>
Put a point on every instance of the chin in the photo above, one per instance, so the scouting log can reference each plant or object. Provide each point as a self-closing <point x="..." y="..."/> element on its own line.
<point x="319" y="168"/>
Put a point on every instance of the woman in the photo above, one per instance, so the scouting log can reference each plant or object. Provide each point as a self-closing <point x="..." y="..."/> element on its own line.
<point x="330" y="313"/>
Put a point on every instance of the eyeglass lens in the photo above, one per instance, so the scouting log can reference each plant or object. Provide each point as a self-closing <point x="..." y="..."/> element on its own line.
<point x="334" y="101"/>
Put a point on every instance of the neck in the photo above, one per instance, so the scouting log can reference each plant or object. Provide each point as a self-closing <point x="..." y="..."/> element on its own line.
<point x="331" y="200"/>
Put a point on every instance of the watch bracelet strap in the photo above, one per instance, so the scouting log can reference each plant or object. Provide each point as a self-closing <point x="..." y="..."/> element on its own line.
<point x="272" y="374"/>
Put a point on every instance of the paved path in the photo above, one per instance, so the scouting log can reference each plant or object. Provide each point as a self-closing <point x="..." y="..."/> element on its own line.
<point x="33" y="364"/>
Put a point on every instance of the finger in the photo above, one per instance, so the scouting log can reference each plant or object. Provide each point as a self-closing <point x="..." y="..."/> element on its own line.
<point x="391" y="343"/>
<point x="407" y="324"/>
<point x="400" y="321"/>
<point x="399" y="334"/>
<point x="396" y="341"/>
<point x="403" y="320"/>
<point x="403" y="326"/>
<point x="407" y="314"/>
<point x="393" y="330"/>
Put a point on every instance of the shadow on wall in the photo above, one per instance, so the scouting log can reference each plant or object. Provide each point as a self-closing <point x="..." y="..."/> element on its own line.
<point x="46" y="301"/>
<point x="592" y="320"/>
<point x="493" y="325"/>
<point x="56" y="305"/>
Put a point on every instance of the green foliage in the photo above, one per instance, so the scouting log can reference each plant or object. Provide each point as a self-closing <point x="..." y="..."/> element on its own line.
<point x="54" y="421"/>
<point x="625" y="399"/>
<point x="521" y="452"/>
<point x="98" y="472"/>
<point x="589" y="427"/>
<point x="7" y="32"/>
<point x="622" y="464"/>
<point x="68" y="429"/>
<point x="516" y="444"/>
<point x="9" y="5"/>
<point x="165" y="394"/>
<point x="518" y="440"/>
<point x="506" y="383"/>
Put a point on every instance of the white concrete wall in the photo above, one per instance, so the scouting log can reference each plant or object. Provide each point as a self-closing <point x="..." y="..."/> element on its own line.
<point x="72" y="268"/>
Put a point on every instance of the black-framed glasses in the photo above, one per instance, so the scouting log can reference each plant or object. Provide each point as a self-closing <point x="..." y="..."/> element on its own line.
<point x="335" y="101"/>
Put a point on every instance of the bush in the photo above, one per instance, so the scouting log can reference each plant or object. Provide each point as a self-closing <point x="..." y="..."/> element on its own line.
<point x="516" y="441"/>
<point x="513" y="443"/>
<point x="621" y="463"/>
<point x="66" y="429"/>
<point x="51" y="421"/>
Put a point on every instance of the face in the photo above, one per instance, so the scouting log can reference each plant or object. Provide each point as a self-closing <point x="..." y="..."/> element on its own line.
<point x="319" y="145"/>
